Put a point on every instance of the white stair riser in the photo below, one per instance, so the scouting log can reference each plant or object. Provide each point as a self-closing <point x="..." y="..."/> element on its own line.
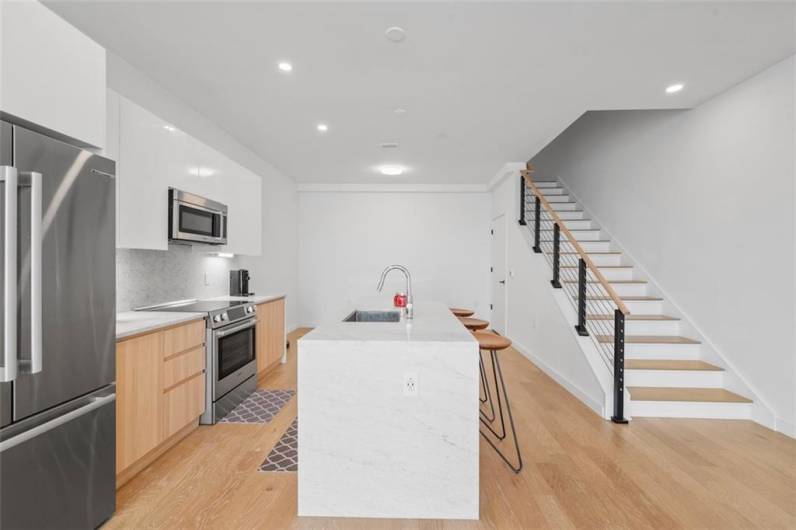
<point x="592" y="234"/>
<point x="552" y="199"/>
<point x="675" y="378"/>
<point x="642" y="307"/>
<point x="547" y="184"/>
<point x="690" y="409"/>
<point x="565" y="206"/>
<point x="630" y="289"/>
<point x="678" y="352"/>
<point x="605" y="259"/>
<point x="595" y="246"/>
<point x="577" y="224"/>
<point x="552" y="191"/>
<point x="573" y="215"/>
<point x="617" y="274"/>
<point x="652" y="327"/>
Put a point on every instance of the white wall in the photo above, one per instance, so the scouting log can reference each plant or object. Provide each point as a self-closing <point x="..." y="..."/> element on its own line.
<point x="347" y="238"/>
<point x="275" y="271"/>
<point x="704" y="201"/>
<point x="536" y="320"/>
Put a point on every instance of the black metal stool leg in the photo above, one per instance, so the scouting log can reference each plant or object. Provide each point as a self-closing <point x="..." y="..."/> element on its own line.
<point x="487" y="393"/>
<point x="502" y="434"/>
<point x="499" y="373"/>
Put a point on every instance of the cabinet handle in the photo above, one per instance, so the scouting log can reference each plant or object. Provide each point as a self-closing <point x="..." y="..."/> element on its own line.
<point x="8" y="372"/>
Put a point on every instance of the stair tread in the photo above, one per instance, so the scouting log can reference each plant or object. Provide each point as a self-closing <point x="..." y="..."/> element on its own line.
<point x="632" y="316"/>
<point x="712" y="395"/>
<point x="649" y="339"/>
<point x="670" y="364"/>
<point x="600" y="266"/>
<point x="609" y="281"/>
<point x="629" y="298"/>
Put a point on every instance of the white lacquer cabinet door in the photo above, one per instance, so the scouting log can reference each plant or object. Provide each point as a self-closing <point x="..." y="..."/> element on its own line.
<point x="51" y="74"/>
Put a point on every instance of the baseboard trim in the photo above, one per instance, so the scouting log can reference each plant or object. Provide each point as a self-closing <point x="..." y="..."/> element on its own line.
<point x="128" y="473"/>
<point x="589" y="401"/>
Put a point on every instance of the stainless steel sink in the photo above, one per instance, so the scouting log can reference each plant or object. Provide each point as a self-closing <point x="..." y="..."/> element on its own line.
<point x="373" y="316"/>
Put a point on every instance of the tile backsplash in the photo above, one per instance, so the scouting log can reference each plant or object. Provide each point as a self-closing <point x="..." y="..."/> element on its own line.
<point x="147" y="277"/>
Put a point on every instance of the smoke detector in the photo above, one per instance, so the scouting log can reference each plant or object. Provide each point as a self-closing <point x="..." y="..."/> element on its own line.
<point x="395" y="34"/>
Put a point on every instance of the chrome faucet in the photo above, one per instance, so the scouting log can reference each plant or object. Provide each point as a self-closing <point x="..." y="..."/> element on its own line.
<point x="410" y="313"/>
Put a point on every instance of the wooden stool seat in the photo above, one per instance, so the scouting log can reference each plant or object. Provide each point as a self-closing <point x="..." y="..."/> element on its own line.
<point x="491" y="341"/>
<point x="459" y="312"/>
<point x="474" y="323"/>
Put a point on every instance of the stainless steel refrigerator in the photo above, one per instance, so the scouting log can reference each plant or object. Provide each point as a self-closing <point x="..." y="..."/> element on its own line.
<point x="57" y="410"/>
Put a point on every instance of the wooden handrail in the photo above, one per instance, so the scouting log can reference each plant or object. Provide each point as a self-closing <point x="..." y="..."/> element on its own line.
<point x="526" y="173"/>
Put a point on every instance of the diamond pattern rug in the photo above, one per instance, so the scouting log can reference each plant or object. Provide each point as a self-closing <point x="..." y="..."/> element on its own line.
<point x="260" y="407"/>
<point x="284" y="455"/>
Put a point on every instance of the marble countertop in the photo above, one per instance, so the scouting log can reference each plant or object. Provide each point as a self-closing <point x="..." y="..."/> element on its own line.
<point x="257" y="299"/>
<point x="131" y="323"/>
<point x="433" y="322"/>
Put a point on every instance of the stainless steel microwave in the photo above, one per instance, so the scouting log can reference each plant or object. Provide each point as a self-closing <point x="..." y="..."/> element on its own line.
<point x="195" y="219"/>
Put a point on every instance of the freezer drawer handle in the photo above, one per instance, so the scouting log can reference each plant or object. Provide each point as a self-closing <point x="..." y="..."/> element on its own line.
<point x="95" y="403"/>
<point x="8" y="372"/>
<point x="34" y="180"/>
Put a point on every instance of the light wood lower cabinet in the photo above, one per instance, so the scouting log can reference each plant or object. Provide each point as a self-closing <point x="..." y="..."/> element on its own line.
<point x="160" y="388"/>
<point x="270" y="334"/>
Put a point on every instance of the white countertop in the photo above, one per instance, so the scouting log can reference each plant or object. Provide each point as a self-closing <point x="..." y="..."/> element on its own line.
<point x="433" y="322"/>
<point x="131" y="323"/>
<point x="256" y="299"/>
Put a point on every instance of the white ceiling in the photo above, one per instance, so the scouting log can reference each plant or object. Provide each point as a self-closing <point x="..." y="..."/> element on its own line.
<point x="484" y="83"/>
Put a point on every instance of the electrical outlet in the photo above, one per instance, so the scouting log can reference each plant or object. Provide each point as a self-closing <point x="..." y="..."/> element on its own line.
<point x="410" y="384"/>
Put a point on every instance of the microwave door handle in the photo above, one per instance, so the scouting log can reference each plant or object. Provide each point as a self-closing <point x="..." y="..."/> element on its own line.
<point x="8" y="372"/>
<point x="36" y="351"/>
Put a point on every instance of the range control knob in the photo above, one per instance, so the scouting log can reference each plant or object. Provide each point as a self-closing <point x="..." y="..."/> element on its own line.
<point x="250" y="309"/>
<point x="217" y="318"/>
<point x="223" y="316"/>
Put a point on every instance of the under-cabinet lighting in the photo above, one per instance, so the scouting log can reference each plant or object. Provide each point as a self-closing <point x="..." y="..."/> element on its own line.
<point x="392" y="171"/>
<point x="225" y="255"/>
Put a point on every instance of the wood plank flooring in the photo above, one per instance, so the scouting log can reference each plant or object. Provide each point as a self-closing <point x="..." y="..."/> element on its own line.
<point x="580" y="472"/>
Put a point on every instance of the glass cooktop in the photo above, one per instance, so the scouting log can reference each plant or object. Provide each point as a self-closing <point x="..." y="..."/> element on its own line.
<point x="197" y="306"/>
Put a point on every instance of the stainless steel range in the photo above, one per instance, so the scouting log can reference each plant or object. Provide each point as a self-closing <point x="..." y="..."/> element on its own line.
<point x="231" y="350"/>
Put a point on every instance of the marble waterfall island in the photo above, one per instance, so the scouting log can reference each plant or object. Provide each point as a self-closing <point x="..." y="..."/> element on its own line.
<point x="388" y="418"/>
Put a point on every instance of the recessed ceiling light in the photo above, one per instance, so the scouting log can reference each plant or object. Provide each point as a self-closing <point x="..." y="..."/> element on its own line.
<point x="285" y="66"/>
<point x="170" y="128"/>
<point x="399" y="111"/>
<point x="392" y="171"/>
<point x="395" y="34"/>
<point x="322" y="127"/>
<point x="672" y="89"/>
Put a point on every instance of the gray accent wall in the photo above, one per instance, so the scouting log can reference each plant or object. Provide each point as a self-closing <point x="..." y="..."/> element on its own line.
<point x="703" y="199"/>
<point x="147" y="277"/>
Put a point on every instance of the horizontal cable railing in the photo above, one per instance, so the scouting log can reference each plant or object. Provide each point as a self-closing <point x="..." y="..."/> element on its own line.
<point x="600" y="311"/>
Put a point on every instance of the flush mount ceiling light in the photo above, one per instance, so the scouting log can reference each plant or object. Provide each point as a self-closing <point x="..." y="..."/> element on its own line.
<point x="391" y="170"/>
<point x="395" y="34"/>
<point x="285" y="66"/>
<point x="673" y="89"/>
<point x="322" y="127"/>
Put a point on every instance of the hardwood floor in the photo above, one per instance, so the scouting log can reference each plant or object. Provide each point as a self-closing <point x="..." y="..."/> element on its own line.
<point x="580" y="472"/>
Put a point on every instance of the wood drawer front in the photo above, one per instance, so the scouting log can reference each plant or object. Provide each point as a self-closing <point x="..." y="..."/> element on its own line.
<point x="182" y="366"/>
<point x="183" y="404"/>
<point x="182" y="338"/>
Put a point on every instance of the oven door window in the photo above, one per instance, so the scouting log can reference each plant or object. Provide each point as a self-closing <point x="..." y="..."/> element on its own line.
<point x="235" y="351"/>
<point x="196" y="221"/>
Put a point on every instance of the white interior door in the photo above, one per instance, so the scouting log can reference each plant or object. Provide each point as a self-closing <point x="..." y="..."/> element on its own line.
<point x="498" y="274"/>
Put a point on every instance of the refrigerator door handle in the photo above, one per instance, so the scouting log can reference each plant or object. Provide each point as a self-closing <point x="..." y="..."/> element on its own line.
<point x="34" y="180"/>
<point x="8" y="372"/>
<point x="94" y="403"/>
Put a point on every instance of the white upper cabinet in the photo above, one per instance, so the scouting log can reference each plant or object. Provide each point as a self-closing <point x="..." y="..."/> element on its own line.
<point x="154" y="155"/>
<point x="51" y="74"/>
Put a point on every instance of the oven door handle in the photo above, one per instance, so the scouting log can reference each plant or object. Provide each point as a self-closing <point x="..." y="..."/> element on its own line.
<point x="229" y="331"/>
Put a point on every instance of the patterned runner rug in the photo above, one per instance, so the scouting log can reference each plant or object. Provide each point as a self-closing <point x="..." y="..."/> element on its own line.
<point x="260" y="407"/>
<point x="284" y="455"/>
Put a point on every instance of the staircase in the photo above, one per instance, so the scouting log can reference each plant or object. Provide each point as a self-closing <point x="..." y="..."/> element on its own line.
<point x="664" y="374"/>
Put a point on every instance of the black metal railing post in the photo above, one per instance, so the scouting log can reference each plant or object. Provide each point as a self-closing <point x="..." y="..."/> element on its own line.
<point x="581" y="327"/>
<point x="619" y="368"/>
<point x="536" y="223"/>
<point x="522" y="200"/>
<point x="556" y="256"/>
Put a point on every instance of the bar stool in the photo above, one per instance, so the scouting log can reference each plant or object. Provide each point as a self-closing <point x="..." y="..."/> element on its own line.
<point x="473" y="324"/>
<point x="494" y="343"/>
<point x="459" y="312"/>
